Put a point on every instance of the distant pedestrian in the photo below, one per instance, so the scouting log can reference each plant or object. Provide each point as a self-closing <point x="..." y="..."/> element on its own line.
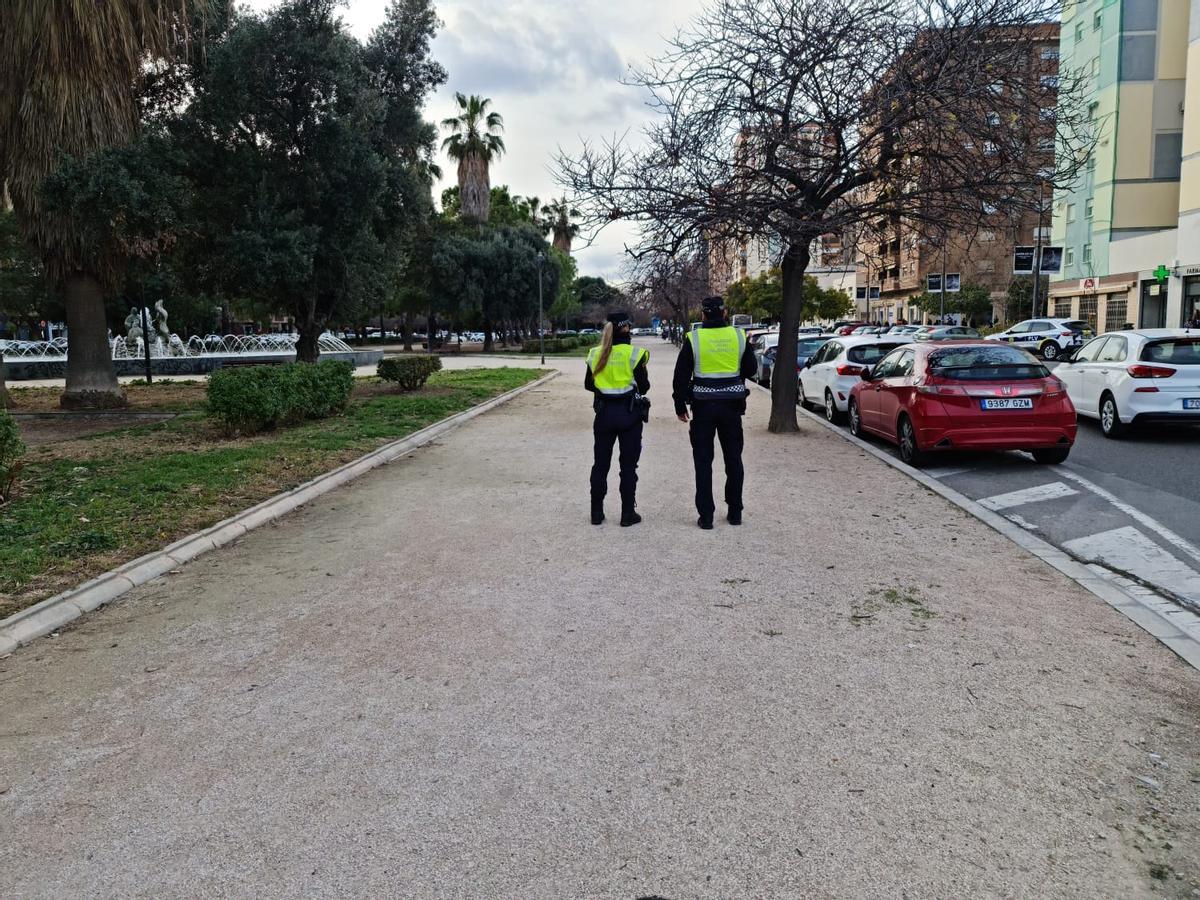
<point x="710" y="374"/>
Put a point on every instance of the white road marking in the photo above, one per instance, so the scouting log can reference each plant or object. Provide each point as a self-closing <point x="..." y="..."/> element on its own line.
<point x="1051" y="491"/>
<point x="946" y="473"/>
<point x="1022" y="521"/>
<point x="1129" y="550"/>
<point x="1136" y="514"/>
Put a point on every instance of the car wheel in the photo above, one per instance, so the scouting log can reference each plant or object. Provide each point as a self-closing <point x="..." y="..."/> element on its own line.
<point x="855" y="419"/>
<point x="1110" y="419"/>
<point x="832" y="413"/>
<point x="907" y="439"/>
<point x="1051" y="456"/>
<point x="1050" y="350"/>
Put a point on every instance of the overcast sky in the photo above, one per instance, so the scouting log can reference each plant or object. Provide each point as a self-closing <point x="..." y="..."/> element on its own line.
<point x="552" y="69"/>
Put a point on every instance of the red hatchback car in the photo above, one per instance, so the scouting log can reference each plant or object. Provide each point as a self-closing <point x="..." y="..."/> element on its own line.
<point x="964" y="395"/>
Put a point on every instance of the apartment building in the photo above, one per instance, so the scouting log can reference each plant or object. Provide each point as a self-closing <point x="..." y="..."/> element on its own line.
<point x="1130" y="226"/>
<point x="895" y="261"/>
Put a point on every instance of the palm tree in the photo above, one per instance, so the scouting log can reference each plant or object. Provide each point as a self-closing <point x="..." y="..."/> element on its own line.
<point x="67" y="76"/>
<point x="561" y="218"/>
<point x="473" y="143"/>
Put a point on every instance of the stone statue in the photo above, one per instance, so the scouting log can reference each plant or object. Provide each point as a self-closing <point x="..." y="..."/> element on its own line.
<point x="133" y="328"/>
<point x="160" y="323"/>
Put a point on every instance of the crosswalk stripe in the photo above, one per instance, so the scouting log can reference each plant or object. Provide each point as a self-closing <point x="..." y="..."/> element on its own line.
<point x="946" y="473"/>
<point x="1129" y="550"/>
<point x="1051" y="491"/>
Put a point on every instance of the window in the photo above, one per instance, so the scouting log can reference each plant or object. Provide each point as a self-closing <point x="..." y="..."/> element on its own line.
<point x="1139" y="15"/>
<point x="1095" y="66"/>
<point x="1138" y="57"/>
<point x="989" y="209"/>
<point x="987" y="236"/>
<point x="1091" y="162"/>
<point x="1115" y="350"/>
<point x="1062" y="307"/>
<point x="993" y="118"/>
<point x="1070" y="256"/>
<point x="1087" y="254"/>
<point x="1182" y="351"/>
<point x="1093" y="111"/>
<point x="904" y="367"/>
<point x="1046" y="114"/>
<point x="1070" y="212"/>
<point x="1097" y="21"/>
<point x="1168" y="154"/>
<point x="1079" y="33"/>
<point x="1115" y="314"/>
<point x="984" y="363"/>
<point x="1049" y="53"/>
<point x="1045" y="144"/>
<point x="990" y="149"/>
<point x="1042" y="234"/>
<point x="1049" y="82"/>
<point x="1091" y="350"/>
<point x="996" y="87"/>
<point x="1088" y="207"/>
<point x="887" y="365"/>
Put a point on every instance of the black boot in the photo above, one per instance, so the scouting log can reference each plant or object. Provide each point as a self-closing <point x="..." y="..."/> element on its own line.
<point x="734" y="517"/>
<point x="704" y="523"/>
<point x="597" y="512"/>
<point x="629" y="514"/>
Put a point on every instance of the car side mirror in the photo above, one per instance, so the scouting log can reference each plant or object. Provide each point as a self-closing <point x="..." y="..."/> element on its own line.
<point x="867" y="374"/>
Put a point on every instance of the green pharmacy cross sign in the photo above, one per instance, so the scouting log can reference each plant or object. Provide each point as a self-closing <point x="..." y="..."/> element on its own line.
<point x="1162" y="273"/>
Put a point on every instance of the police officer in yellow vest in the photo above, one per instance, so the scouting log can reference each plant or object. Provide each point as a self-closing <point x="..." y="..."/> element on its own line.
<point x="710" y="374"/>
<point x="616" y="374"/>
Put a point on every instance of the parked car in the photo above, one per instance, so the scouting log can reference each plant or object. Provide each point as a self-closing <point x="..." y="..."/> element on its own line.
<point x="903" y="329"/>
<point x="806" y="346"/>
<point x="1124" y="378"/>
<point x="845" y="328"/>
<point x="826" y="379"/>
<point x="811" y="329"/>
<point x="964" y="395"/>
<point x="946" y="333"/>
<point x="761" y="345"/>
<point x="1049" y="338"/>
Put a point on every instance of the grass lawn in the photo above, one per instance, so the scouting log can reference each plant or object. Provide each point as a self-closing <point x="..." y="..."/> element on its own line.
<point x="87" y="504"/>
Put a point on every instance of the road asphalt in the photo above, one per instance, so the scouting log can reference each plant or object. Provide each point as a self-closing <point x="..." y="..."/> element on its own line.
<point x="442" y="682"/>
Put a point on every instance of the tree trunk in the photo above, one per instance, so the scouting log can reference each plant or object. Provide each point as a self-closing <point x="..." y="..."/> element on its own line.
<point x="407" y="329"/>
<point x="783" y="381"/>
<point x="3" y="388"/>
<point x="307" y="349"/>
<point x="91" y="377"/>
<point x="430" y="329"/>
<point x="489" y="344"/>
<point x="474" y="188"/>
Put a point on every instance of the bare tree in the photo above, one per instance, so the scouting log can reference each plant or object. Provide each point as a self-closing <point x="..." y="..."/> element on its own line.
<point x="672" y="285"/>
<point x="793" y="119"/>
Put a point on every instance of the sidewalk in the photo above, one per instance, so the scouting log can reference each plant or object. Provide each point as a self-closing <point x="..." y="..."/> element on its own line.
<point x="444" y="682"/>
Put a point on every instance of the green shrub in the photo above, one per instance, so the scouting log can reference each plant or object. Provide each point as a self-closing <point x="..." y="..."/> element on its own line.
<point x="12" y="448"/>
<point x="254" y="398"/>
<point x="409" y="372"/>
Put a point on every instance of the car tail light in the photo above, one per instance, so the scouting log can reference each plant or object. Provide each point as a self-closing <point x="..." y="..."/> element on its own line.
<point x="1140" y="371"/>
<point x="1145" y="390"/>
<point x="944" y="390"/>
<point x="1052" y="387"/>
<point x="845" y="369"/>
<point x="1066" y="334"/>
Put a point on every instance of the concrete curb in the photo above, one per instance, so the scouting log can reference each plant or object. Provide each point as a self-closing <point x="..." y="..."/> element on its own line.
<point x="1138" y="607"/>
<point x="54" y="612"/>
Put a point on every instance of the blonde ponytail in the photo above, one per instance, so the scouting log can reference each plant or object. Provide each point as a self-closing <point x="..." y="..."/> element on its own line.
<point x="606" y="342"/>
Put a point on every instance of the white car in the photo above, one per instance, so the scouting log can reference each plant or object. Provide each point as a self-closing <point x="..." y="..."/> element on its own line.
<point x="760" y="345"/>
<point x="1126" y="377"/>
<point x="828" y="376"/>
<point x="1050" y="338"/>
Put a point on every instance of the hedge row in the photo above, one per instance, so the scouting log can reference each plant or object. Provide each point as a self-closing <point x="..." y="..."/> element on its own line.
<point x="254" y="398"/>
<point x="12" y="448"/>
<point x="561" y="345"/>
<point x="409" y="372"/>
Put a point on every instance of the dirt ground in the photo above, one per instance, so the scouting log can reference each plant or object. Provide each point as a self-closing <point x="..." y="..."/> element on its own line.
<point x="441" y="681"/>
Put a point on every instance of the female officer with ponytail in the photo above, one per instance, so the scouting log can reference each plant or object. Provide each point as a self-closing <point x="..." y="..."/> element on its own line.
<point x="616" y="374"/>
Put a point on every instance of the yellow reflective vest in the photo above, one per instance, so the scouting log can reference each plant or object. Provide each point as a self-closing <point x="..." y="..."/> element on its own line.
<point x="717" y="367"/>
<point x="617" y="377"/>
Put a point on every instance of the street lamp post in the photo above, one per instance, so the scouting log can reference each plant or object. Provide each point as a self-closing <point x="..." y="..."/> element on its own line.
<point x="541" y="259"/>
<point x="1037" y="256"/>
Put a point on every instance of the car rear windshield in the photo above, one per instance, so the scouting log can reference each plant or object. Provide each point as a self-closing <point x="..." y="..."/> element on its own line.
<point x="1001" y="362"/>
<point x="810" y="346"/>
<point x="1175" y="351"/>
<point x="870" y="354"/>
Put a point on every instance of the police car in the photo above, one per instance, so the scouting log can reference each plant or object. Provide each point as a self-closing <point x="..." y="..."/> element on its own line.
<point x="1049" y="338"/>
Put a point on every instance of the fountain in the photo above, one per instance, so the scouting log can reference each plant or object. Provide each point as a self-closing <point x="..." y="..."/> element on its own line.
<point x="170" y="354"/>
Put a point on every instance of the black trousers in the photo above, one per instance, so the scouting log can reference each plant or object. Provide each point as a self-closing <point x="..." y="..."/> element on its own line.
<point x="615" y="424"/>
<point x="724" y="422"/>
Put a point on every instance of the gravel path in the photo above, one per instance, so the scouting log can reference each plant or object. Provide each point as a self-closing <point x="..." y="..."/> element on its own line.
<point x="444" y="683"/>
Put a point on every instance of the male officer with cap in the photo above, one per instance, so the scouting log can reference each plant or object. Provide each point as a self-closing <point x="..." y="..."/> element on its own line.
<point x="710" y="373"/>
